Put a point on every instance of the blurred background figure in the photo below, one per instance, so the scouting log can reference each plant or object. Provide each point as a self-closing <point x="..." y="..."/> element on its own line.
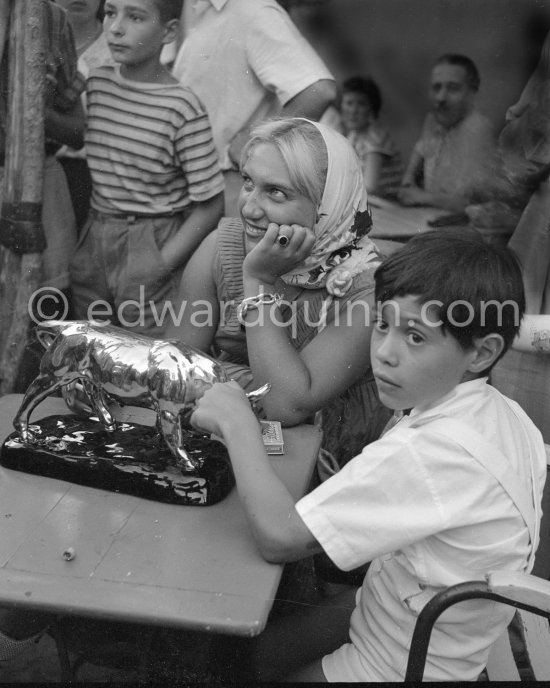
<point x="63" y="124"/>
<point x="523" y="375"/>
<point x="86" y="19"/>
<point x="453" y="163"/>
<point x="247" y="61"/>
<point x="380" y="159"/>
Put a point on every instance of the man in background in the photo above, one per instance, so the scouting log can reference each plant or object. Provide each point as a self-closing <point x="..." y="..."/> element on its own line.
<point x="454" y="163"/>
<point x="247" y="61"/>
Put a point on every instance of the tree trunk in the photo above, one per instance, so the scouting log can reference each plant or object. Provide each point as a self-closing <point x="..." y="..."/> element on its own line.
<point x="21" y="234"/>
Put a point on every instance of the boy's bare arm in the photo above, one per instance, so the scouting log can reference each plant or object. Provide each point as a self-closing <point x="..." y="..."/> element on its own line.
<point x="197" y="288"/>
<point x="203" y="219"/>
<point x="66" y="127"/>
<point x="279" y="531"/>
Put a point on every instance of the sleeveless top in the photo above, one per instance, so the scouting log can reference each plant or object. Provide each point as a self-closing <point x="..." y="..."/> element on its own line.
<point x="350" y="421"/>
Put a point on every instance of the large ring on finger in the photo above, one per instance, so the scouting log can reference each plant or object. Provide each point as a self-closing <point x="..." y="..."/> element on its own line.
<point x="283" y="239"/>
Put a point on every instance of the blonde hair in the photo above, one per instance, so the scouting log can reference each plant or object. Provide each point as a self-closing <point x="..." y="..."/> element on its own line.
<point x="302" y="149"/>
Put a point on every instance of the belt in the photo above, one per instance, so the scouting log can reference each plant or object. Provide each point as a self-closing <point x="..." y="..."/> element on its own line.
<point x="130" y="217"/>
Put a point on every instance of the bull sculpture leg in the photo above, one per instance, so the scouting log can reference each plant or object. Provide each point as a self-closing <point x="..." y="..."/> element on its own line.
<point x="99" y="403"/>
<point x="169" y="426"/>
<point x="40" y="388"/>
<point x="44" y="385"/>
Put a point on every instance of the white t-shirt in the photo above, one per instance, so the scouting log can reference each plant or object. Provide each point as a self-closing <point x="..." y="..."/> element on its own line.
<point x="244" y="59"/>
<point x="428" y="514"/>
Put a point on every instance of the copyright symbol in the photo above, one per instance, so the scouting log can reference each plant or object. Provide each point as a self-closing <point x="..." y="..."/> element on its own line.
<point x="48" y="303"/>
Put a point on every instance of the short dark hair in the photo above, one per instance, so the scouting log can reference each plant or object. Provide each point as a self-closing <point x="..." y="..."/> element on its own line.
<point x="169" y="9"/>
<point x="468" y="65"/>
<point x="366" y="87"/>
<point x="100" y="13"/>
<point x="477" y="286"/>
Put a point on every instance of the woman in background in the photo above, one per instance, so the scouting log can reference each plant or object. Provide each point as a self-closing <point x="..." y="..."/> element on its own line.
<point x="380" y="159"/>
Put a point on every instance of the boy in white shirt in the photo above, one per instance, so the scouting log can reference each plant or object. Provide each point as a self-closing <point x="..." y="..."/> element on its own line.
<point x="450" y="492"/>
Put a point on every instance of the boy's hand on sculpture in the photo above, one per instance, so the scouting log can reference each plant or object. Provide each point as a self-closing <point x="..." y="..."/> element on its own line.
<point x="281" y="249"/>
<point x="222" y="408"/>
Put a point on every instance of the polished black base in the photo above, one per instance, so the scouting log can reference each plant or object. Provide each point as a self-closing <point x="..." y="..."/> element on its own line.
<point x="132" y="459"/>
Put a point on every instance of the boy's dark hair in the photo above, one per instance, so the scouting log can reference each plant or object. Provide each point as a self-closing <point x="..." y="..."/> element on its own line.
<point x="367" y="88"/>
<point x="100" y="10"/>
<point x="169" y="9"/>
<point x="468" y="65"/>
<point x="477" y="286"/>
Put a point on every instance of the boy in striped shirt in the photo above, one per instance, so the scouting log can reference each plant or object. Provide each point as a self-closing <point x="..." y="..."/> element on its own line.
<point x="157" y="188"/>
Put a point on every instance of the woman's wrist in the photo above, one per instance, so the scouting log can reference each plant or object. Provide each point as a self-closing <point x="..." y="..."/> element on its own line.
<point x="258" y="285"/>
<point x="256" y="302"/>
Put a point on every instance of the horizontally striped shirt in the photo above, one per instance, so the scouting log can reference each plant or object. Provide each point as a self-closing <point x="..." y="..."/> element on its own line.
<point x="149" y="146"/>
<point x="378" y="140"/>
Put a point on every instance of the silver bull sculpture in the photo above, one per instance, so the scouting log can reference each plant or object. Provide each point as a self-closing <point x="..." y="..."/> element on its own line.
<point x="111" y="364"/>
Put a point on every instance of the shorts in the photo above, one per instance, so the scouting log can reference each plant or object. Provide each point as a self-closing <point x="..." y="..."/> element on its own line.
<point x="118" y="274"/>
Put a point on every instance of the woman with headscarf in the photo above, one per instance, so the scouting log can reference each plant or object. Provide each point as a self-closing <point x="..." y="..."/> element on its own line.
<point x="285" y="293"/>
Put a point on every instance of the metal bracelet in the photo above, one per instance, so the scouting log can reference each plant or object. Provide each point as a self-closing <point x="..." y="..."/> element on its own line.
<point x="251" y="302"/>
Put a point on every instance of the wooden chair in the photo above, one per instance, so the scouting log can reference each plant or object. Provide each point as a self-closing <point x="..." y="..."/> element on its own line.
<point x="528" y="593"/>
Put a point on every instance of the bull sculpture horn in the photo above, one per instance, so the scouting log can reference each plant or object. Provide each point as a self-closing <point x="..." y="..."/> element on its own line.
<point x="257" y="394"/>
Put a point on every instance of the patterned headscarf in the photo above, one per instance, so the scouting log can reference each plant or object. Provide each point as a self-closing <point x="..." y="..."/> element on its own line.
<point x="342" y="248"/>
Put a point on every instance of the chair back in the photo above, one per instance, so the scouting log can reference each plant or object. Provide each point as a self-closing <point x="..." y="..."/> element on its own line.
<point x="526" y="592"/>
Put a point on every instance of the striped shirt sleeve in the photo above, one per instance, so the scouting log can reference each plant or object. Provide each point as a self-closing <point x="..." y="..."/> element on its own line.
<point x="197" y="155"/>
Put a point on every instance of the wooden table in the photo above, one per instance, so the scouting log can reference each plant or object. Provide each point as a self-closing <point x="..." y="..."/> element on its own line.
<point x="138" y="560"/>
<point x="399" y="223"/>
<point x="394" y="223"/>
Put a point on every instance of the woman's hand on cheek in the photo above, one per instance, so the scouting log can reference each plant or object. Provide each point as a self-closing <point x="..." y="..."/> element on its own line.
<point x="270" y="259"/>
